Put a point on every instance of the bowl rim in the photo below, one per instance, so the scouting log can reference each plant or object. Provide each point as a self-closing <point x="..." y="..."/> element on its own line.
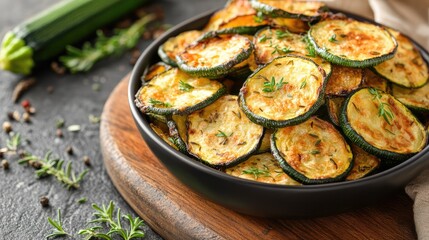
<point x="135" y="83"/>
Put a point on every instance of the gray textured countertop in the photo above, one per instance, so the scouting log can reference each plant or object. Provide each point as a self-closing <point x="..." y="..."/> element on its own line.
<point x="73" y="99"/>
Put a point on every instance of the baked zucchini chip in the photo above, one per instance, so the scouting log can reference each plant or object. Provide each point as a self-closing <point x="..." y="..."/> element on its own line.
<point x="232" y="9"/>
<point x="286" y="91"/>
<point x="343" y="80"/>
<point x="177" y="130"/>
<point x="291" y="24"/>
<point x="163" y="135"/>
<point x="305" y="10"/>
<point x="266" y="141"/>
<point x="175" y="45"/>
<point x="407" y="68"/>
<point x="414" y="98"/>
<point x="364" y="164"/>
<point x="381" y="125"/>
<point x="312" y="152"/>
<point x="214" y="57"/>
<point x="373" y="80"/>
<point x="333" y="105"/>
<point x="155" y="70"/>
<point x="175" y="92"/>
<point x="262" y="168"/>
<point x="271" y="43"/>
<point x="352" y="43"/>
<point x="220" y="135"/>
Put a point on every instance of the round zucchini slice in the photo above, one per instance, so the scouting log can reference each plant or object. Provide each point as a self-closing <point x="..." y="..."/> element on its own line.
<point x="271" y="43"/>
<point x="312" y="152"/>
<point x="175" y="45"/>
<point x="373" y="80"/>
<point x="220" y="135"/>
<point x="175" y="92"/>
<point x="305" y="10"/>
<point x="215" y="57"/>
<point x="343" y="80"/>
<point x="262" y="168"/>
<point x="352" y="43"/>
<point x="286" y="91"/>
<point x="163" y="135"/>
<point x="232" y="9"/>
<point x="364" y="164"/>
<point x="381" y="125"/>
<point x="407" y="68"/>
<point x="177" y="130"/>
<point x="155" y="70"/>
<point x="414" y="98"/>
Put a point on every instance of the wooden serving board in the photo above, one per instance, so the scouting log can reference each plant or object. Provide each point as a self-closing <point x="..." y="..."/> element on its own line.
<point x="175" y="212"/>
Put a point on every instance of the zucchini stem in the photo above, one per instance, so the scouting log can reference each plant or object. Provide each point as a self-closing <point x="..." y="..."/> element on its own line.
<point x="15" y="55"/>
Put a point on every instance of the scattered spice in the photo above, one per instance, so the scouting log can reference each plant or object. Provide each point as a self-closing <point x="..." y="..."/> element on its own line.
<point x="57" y="68"/>
<point x="5" y="164"/>
<point x="73" y="128"/>
<point x="86" y="160"/>
<point x="21" y="87"/>
<point x="36" y="165"/>
<point x="26" y="117"/>
<point x="7" y="127"/>
<point x="31" y="110"/>
<point x="16" y="116"/>
<point x="44" y="201"/>
<point x="10" y="115"/>
<point x="26" y="104"/>
<point x="94" y="119"/>
<point x="69" y="150"/>
<point x="59" y="133"/>
<point x="59" y="123"/>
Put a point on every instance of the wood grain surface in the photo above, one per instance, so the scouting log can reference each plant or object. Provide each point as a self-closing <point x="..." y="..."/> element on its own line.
<point x="175" y="212"/>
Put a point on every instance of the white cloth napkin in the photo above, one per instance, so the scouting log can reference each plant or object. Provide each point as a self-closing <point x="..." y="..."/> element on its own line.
<point x="412" y="18"/>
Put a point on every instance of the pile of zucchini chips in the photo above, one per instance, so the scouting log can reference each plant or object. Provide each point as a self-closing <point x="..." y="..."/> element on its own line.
<point x="287" y="92"/>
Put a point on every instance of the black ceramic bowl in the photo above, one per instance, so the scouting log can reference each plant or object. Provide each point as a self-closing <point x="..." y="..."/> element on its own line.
<point x="260" y="199"/>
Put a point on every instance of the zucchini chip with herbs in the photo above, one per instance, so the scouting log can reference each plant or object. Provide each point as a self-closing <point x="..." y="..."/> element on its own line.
<point x="175" y="45"/>
<point x="373" y="80"/>
<point x="286" y="91"/>
<point x="352" y="43"/>
<point x="215" y="57"/>
<point x="220" y="135"/>
<point x="177" y="130"/>
<point x="262" y="168"/>
<point x="175" y="92"/>
<point x="364" y="164"/>
<point x="305" y="10"/>
<point x="343" y="80"/>
<point x="232" y="9"/>
<point x="416" y="99"/>
<point x="407" y="68"/>
<point x="312" y="152"/>
<point x="163" y="135"/>
<point x="381" y="125"/>
<point x="155" y="70"/>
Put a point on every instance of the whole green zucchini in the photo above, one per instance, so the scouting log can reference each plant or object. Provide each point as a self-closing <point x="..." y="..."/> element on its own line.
<point x="46" y="35"/>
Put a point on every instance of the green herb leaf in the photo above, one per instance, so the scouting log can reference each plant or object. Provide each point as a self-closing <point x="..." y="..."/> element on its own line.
<point x="256" y="172"/>
<point x="58" y="230"/>
<point x="282" y="33"/>
<point x="303" y="84"/>
<point x="383" y="108"/>
<point x="186" y="87"/>
<point x="333" y="38"/>
<point x="311" y="52"/>
<point x="272" y="86"/>
<point x="157" y="102"/>
<point x="13" y="142"/>
<point x="224" y="136"/>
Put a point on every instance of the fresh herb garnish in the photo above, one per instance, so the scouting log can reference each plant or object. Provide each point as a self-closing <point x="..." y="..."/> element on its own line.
<point x="82" y="200"/>
<point x="82" y="60"/>
<point x="383" y="108"/>
<point x="311" y="52"/>
<point x="256" y="172"/>
<point x="333" y="38"/>
<point x="282" y="34"/>
<point x="303" y="84"/>
<point x="54" y="166"/>
<point x="259" y="17"/>
<point x="224" y="136"/>
<point x="157" y="102"/>
<point x="14" y="142"/>
<point x="314" y="152"/>
<point x="271" y="86"/>
<point x="262" y="38"/>
<point x="185" y="87"/>
<point x="58" y="230"/>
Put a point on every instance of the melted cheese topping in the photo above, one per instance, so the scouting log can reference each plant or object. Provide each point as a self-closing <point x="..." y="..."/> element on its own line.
<point x="373" y="80"/>
<point x="175" y="45"/>
<point x="364" y="163"/>
<point x="262" y="168"/>
<point x="221" y="133"/>
<point x="314" y="148"/>
<point x="304" y="85"/>
<point x="310" y="8"/>
<point x="352" y="40"/>
<point x="343" y="80"/>
<point x="413" y="97"/>
<point x="166" y="89"/>
<point x="272" y="43"/>
<point x="404" y="135"/>
<point x="407" y="67"/>
<point x="215" y="52"/>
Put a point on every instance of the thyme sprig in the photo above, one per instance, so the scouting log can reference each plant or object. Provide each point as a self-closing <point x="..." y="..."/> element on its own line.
<point x="13" y="143"/>
<point x="311" y="52"/>
<point x="256" y="172"/>
<point x="282" y="33"/>
<point x="223" y="135"/>
<point x="185" y="87"/>
<point x="58" y="230"/>
<point x="383" y="108"/>
<point x="48" y="166"/>
<point x="82" y="60"/>
<point x="333" y="38"/>
<point x="105" y="215"/>
<point x="153" y="101"/>
<point x="272" y="86"/>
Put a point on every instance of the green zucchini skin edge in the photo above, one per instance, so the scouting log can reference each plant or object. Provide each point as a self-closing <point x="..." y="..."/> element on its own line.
<point x="299" y="177"/>
<point x="275" y="13"/>
<point x="174" y="133"/>
<point x="167" y="111"/>
<point x="353" y="136"/>
<point x="269" y="123"/>
<point x="321" y="51"/>
<point x="218" y="71"/>
<point x="165" y="58"/>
